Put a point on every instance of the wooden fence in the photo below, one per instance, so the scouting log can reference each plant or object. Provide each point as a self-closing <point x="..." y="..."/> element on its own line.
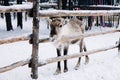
<point x="34" y="63"/>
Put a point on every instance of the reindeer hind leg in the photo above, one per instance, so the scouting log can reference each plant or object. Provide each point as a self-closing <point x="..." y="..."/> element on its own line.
<point x="79" y="59"/>
<point x="86" y="57"/>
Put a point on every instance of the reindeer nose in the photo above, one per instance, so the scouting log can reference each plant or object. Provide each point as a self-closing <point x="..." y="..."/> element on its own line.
<point x="52" y="33"/>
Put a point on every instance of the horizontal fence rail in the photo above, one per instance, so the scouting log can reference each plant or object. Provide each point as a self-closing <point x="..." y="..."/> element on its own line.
<point x="58" y="13"/>
<point x="55" y="59"/>
<point x="48" y="5"/>
<point x="11" y="40"/>
<point x="61" y="58"/>
<point x="21" y="38"/>
<point x="16" y="8"/>
<point x="14" y="65"/>
<point x="78" y="36"/>
<point x="64" y="38"/>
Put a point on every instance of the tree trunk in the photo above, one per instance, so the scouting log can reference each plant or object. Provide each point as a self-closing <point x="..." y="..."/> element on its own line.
<point x="60" y="4"/>
<point x="97" y="21"/>
<point x="19" y="16"/>
<point x="70" y="5"/>
<point x="8" y="17"/>
<point x="2" y="3"/>
<point x="90" y="22"/>
<point x="118" y="21"/>
<point x="64" y="4"/>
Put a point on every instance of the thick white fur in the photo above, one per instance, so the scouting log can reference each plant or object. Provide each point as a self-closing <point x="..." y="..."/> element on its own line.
<point x="73" y="27"/>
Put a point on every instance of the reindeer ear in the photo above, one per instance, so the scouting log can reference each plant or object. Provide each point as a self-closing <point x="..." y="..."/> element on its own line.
<point x="49" y="20"/>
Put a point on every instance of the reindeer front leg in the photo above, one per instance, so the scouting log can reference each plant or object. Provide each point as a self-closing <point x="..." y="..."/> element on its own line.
<point x="58" y="70"/>
<point x="65" y="61"/>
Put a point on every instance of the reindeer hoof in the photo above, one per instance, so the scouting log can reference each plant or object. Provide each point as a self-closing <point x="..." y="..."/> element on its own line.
<point x="86" y="59"/>
<point x="65" y="70"/>
<point x="58" y="71"/>
<point x="77" y="67"/>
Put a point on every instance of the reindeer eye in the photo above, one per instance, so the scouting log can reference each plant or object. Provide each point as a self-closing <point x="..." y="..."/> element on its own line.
<point x="60" y="26"/>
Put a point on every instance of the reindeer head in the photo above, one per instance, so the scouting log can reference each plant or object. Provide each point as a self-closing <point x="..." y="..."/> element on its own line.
<point x="55" y="25"/>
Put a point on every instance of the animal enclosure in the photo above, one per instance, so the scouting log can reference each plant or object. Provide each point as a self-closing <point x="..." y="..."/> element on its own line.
<point x="34" y="37"/>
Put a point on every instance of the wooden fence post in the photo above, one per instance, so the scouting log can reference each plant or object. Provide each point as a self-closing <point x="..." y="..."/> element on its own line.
<point x="35" y="41"/>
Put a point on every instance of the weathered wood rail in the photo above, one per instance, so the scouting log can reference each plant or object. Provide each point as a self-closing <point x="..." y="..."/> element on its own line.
<point x="78" y="36"/>
<point x="61" y="58"/>
<point x="16" y="8"/>
<point x="27" y="37"/>
<point x="34" y="40"/>
<point x="55" y="59"/>
<point x="11" y="40"/>
<point x="14" y="65"/>
<point x="48" y="5"/>
<point x="58" y="13"/>
<point x="21" y="38"/>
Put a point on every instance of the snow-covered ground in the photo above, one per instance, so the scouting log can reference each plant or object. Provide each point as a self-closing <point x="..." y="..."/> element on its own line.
<point x="102" y="66"/>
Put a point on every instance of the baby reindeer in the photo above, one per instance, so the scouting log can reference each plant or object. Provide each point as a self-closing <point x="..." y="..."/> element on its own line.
<point x="58" y="30"/>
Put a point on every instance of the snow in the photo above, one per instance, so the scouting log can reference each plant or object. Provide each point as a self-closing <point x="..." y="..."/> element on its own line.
<point x="106" y="6"/>
<point x="47" y="3"/>
<point x="23" y="6"/>
<point x="102" y="66"/>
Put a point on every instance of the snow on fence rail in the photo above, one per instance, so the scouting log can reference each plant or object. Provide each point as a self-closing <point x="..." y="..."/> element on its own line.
<point x="16" y="8"/>
<point x="55" y="59"/>
<point x="21" y="38"/>
<point x="61" y="58"/>
<point x="54" y="13"/>
<point x="34" y="40"/>
<point x="11" y="40"/>
<point x="78" y="36"/>
<point x="28" y="37"/>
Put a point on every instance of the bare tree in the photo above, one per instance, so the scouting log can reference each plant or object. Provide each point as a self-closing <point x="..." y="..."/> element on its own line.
<point x="19" y="16"/>
<point x="2" y="3"/>
<point x="8" y="17"/>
